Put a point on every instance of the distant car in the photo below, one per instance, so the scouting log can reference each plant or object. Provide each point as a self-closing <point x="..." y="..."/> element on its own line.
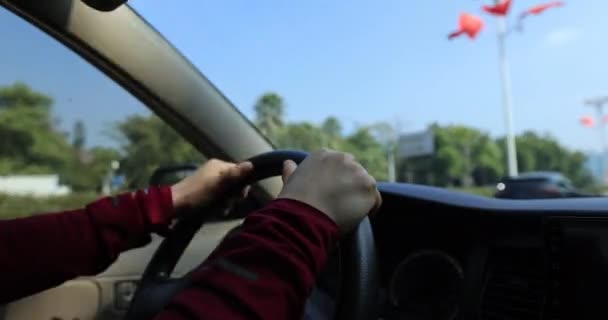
<point x="536" y="185"/>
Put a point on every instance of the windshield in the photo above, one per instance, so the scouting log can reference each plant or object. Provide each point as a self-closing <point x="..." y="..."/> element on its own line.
<point x="458" y="95"/>
<point x="386" y="83"/>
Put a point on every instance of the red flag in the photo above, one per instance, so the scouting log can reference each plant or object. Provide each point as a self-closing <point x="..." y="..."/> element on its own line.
<point x="500" y="9"/>
<point x="538" y="9"/>
<point x="468" y="24"/>
<point x="587" y="121"/>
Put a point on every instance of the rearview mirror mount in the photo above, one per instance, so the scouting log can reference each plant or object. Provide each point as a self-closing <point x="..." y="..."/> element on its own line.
<point x="104" y="5"/>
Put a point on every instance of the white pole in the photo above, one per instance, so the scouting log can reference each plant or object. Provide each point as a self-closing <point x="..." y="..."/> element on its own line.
<point x="506" y="97"/>
<point x="600" y="121"/>
<point x="598" y="103"/>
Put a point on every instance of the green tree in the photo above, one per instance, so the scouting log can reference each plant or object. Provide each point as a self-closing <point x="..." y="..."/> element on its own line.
<point x="146" y="143"/>
<point x="269" y="113"/>
<point x="87" y="169"/>
<point x="368" y="151"/>
<point x="385" y="133"/>
<point x="21" y="95"/>
<point x="79" y="134"/>
<point x="31" y="143"/>
<point x="463" y="156"/>
<point x="332" y="132"/>
<point x="488" y="156"/>
<point x="302" y="136"/>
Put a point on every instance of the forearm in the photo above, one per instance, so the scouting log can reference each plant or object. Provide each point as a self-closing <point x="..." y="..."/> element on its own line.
<point x="42" y="251"/>
<point x="266" y="271"/>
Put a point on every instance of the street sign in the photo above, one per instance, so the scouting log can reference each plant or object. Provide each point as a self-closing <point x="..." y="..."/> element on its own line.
<point x="416" y="144"/>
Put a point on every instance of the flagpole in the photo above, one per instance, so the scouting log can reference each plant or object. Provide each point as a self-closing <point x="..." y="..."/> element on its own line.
<point x="598" y="104"/>
<point x="506" y="97"/>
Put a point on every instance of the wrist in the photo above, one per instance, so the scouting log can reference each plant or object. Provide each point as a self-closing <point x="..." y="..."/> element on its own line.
<point x="326" y="210"/>
<point x="157" y="207"/>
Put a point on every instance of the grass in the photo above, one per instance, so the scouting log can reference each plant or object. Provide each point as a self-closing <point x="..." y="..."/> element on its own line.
<point x="22" y="206"/>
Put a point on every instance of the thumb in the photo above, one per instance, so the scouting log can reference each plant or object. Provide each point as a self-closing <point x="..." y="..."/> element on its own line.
<point x="234" y="174"/>
<point x="288" y="168"/>
<point x="245" y="168"/>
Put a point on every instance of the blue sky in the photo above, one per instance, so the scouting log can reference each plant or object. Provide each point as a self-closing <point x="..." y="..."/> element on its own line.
<point x="357" y="60"/>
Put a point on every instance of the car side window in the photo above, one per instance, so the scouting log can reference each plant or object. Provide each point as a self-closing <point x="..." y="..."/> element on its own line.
<point x="69" y="133"/>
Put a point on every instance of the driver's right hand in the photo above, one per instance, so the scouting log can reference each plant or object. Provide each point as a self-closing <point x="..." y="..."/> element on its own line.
<point x="335" y="184"/>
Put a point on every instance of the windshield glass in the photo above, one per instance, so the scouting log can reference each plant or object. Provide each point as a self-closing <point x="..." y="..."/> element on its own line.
<point x="419" y="92"/>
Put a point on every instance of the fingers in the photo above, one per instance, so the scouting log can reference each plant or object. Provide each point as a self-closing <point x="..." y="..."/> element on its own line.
<point x="240" y="170"/>
<point x="235" y="173"/>
<point x="245" y="167"/>
<point x="236" y="176"/>
<point x="377" y="203"/>
<point x="288" y="169"/>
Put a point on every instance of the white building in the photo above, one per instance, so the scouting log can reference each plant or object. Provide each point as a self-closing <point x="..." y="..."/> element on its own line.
<point x="33" y="185"/>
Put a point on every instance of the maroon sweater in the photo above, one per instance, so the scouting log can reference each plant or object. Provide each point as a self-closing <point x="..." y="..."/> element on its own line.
<point x="266" y="271"/>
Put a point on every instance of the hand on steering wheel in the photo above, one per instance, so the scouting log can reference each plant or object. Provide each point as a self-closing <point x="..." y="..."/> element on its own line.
<point x="212" y="180"/>
<point x="335" y="184"/>
<point x="319" y="172"/>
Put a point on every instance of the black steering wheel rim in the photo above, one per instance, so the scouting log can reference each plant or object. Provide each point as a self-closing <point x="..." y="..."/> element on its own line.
<point x="358" y="275"/>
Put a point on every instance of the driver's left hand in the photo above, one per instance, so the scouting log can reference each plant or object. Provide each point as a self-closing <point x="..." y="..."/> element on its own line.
<point x="212" y="180"/>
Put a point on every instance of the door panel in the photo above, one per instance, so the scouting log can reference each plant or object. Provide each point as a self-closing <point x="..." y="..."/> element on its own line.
<point x="129" y="267"/>
<point x="78" y="299"/>
<point x="106" y="296"/>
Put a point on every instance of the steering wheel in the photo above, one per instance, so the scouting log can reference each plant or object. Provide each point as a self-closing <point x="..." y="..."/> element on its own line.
<point x="358" y="289"/>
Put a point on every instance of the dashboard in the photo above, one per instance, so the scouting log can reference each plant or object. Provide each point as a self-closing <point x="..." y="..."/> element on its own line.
<point x="448" y="255"/>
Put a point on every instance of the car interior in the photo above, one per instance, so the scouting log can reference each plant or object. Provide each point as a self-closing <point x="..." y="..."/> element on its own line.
<point x="429" y="253"/>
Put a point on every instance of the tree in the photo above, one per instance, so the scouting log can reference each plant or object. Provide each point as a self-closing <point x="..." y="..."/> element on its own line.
<point x="31" y="143"/>
<point x="368" y="151"/>
<point x="302" y="136"/>
<point x="488" y="156"/>
<point x="332" y="131"/>
<point x="88" y="176"/>
<point x="269" y="112"/>
<point x="544" y="153"/>
<point x="21" y="95"/>
<point x="79" y="136"/>
<point x="463" y="156"/>
<point x="332" y="127"/>
<point x="147" y="143"/>
<point x="387" y="135"/>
